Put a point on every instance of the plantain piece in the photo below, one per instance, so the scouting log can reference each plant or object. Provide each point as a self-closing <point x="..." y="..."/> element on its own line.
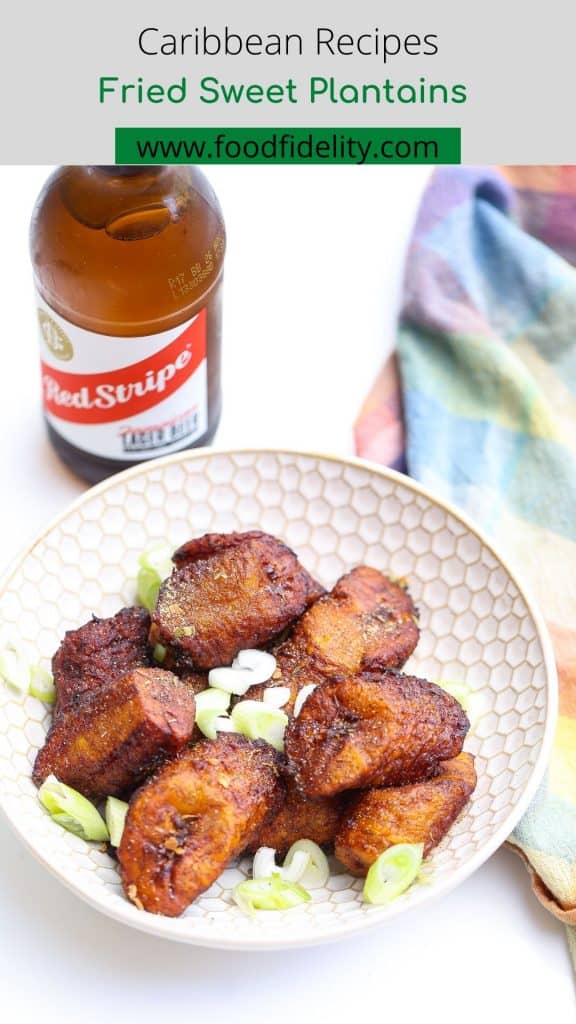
<point x="99" y="652"/>
<point x="187" y="823"/>
<point x="118" y="735"/>
<point x="420" y="813"/>
<point x="211" y="543"/>
<point x="299" y="818"/>
<point x="196" y="681"/>
<point x="373" y="729"/>
<point x="367" y="622"/>
<point x="228" y="592"/>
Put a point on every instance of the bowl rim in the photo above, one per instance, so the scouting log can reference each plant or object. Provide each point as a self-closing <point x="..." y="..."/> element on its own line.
<point x="160" y="926"/>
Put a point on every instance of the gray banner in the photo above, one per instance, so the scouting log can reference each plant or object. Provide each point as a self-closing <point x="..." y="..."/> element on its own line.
<point x="516" y="70"/>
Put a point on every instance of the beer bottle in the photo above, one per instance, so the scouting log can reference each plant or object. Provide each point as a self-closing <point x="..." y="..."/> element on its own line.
<point x="128" y="270"/>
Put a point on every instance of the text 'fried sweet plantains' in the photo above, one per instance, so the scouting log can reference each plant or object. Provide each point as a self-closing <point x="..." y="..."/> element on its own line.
<point x="373" y="729"/>
<point x="229" y="592"/>
<point x="199" y="812"/>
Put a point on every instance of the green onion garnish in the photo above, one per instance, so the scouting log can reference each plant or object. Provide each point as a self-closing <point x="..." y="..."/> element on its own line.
<point x="211" y="712"/>
<point x="72" y="811"/>
<point x="269" y="894"/>
<point x="249" y="668"/>
<point x="393" y="872"/>
<point x="148" y="584"/>
<point x="42" y="684"/>
<point x="317" y="870"/>
<point x="15" y="668"/>
<point x="259" y="721"/>
<point x="211" y="721"/>
<point x="21" y="675"/>
<point x="158" y="559"/>
<point x="213" y="699"/>
<point x="116" y="811"/>
<point x="155" y="566"/>
<point x="159" y="654"/>
<point x="305" y="862"/>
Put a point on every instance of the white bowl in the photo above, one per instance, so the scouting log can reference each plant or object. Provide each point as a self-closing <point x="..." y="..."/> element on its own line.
<point x="477" y="625"/>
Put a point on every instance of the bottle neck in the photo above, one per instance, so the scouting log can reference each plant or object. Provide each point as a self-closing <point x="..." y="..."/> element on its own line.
<point x="126" y="170"/>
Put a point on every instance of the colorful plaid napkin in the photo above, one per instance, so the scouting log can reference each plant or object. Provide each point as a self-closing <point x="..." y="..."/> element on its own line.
<point x="487" y="364"/>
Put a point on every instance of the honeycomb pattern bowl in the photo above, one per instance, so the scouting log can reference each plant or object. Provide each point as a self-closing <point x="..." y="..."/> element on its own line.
<point x="477" y="626"/>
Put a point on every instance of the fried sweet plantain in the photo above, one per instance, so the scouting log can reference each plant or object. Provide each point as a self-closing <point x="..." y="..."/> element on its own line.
<point x="366" y="622"/>
<point x="373" y="729"/>
<point x="196" y="681"/>
<point x="420" y="813"/>
<point x="116" y="736"/>
<point x="228" y="592"/>
<point x="198" y="813"/>
<point x="99" y="652"/>
<point x="299" y="818"/>
<point x="211" y="543"/>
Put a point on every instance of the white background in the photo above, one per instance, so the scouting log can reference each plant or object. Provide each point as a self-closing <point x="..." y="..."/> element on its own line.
<point x="312" y="280"/>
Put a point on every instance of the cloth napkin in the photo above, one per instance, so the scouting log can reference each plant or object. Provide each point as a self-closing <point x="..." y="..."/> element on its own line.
<point x="479" y="403"/>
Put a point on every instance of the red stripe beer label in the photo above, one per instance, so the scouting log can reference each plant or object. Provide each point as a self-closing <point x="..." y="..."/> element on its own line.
<point x="124" y="398"/>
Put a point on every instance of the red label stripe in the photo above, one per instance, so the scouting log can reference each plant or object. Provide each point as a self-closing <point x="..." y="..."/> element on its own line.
<point x="118" y="394"/>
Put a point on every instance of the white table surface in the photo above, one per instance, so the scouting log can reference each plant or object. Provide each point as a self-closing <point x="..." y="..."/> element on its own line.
<point x="313" y="273"/>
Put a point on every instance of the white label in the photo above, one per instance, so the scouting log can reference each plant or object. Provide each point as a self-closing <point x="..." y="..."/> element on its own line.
<point x="124" y="398"/>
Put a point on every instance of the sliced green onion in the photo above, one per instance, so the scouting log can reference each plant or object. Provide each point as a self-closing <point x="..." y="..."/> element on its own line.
<point x="249" y="668"/>
<point x="294" y="867"/>
<point x="71" y="810"/>
<point x="206" y="722"/>
<point x="259" y="721"/>
<point x="155" y="566"/>
<point x="211" y="712"/>
<point x="302" y="697"/>
<point x="269" y="894"/>
<point x="15" y="668"/>
<point x="159" y="654"/>
<point x="276" y="696"/>
<point x="393" y="872"/>
<point x="116" y="811"/>
<point x="261" y="664"/>
<point x="148" y="584"/>
<point x="233" y="680"/>
<point x="212" y="699"/>
<point x="158" y="560"/>
<point x="42" y="684"/>
<point x="225" y="724"/>
<point x="211" y="721"/>
<point x="264" y="863"/>
<point x="316" y="871"/>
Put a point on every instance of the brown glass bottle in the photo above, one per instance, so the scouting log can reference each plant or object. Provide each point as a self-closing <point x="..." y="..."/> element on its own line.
<point x="128" y="267"/>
